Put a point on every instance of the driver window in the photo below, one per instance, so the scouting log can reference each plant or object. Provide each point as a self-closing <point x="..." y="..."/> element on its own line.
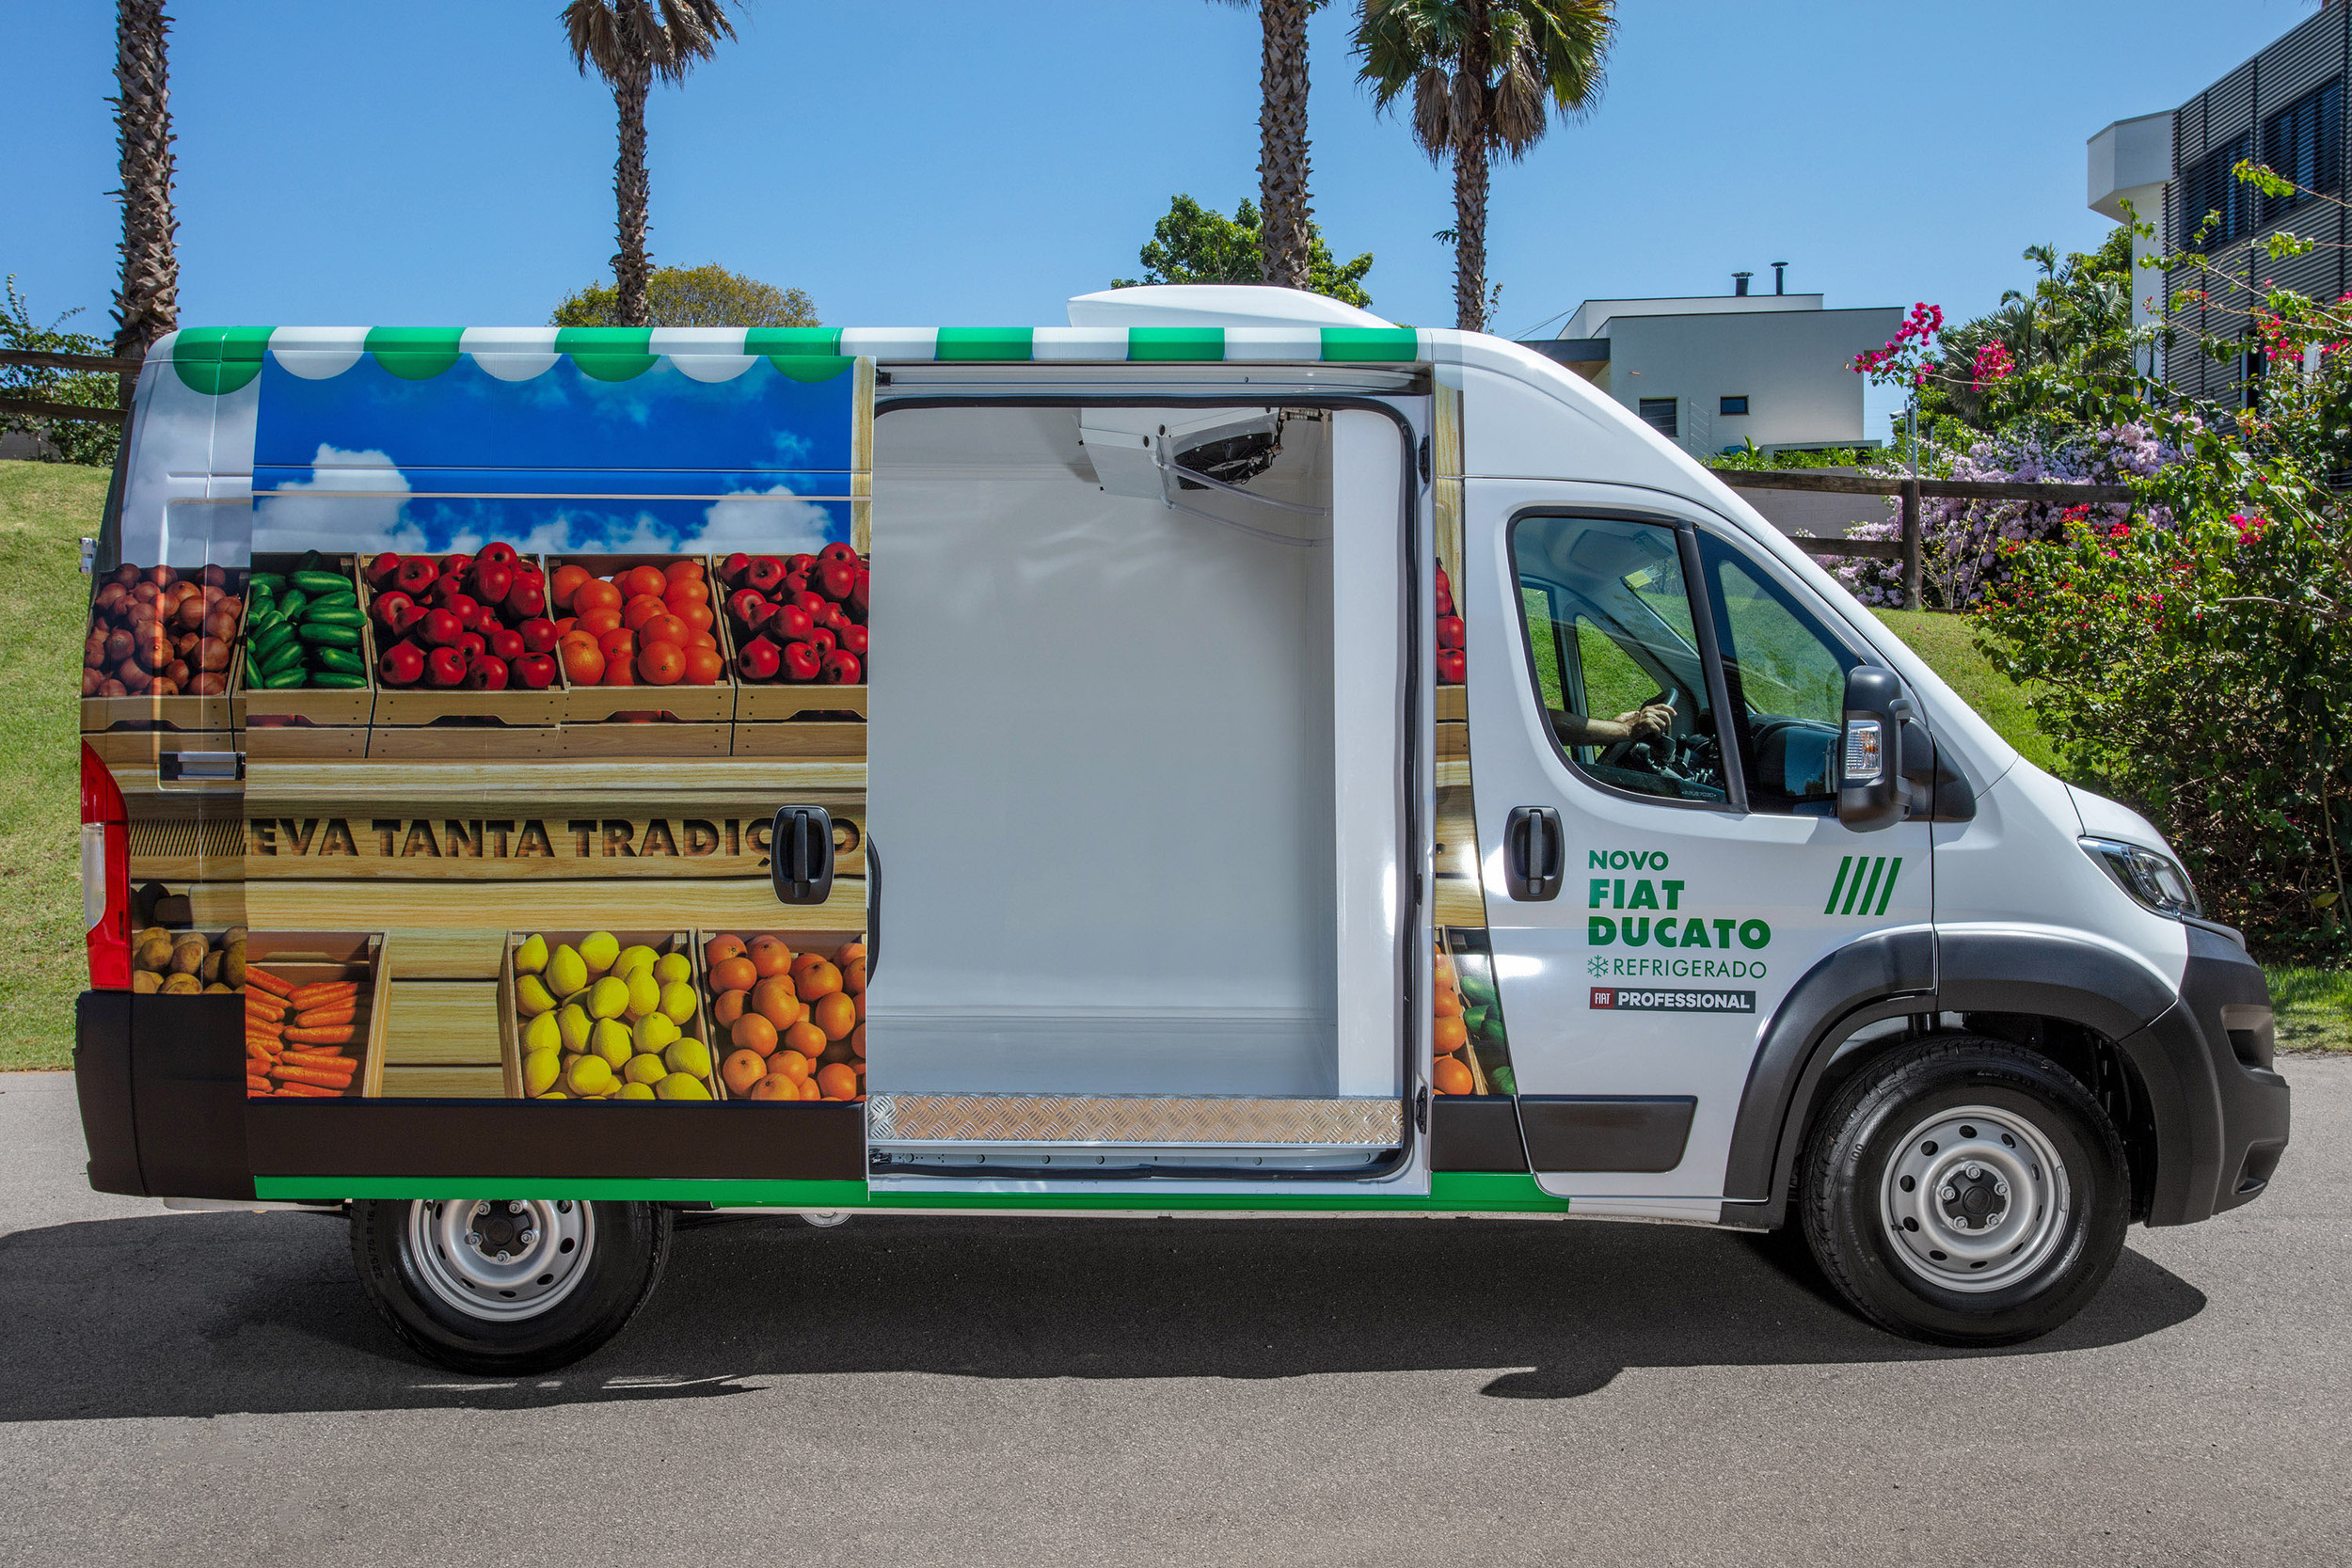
<point x="1614" y="656"/>
<point x="1786" y="678"/>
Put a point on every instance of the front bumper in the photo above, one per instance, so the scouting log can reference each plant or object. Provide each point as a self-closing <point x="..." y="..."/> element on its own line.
<point x="2223" y="1117"/>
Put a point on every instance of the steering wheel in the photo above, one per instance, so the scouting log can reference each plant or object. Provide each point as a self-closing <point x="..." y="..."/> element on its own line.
<point x="1671" y="756"/>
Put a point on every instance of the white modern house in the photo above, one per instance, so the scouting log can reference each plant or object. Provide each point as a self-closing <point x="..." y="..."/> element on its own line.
<point x="1712" y="372"/>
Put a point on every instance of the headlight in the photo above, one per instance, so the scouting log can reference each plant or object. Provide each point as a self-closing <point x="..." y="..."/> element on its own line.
<point x="2156" y="882"/>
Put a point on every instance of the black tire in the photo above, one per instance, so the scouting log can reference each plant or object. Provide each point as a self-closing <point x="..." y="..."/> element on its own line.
<point x="592" y="1265"/>
<point x="2039" y="1164"/>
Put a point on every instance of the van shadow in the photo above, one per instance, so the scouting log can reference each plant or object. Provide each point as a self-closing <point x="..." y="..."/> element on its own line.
<point x="211" y="1314"/>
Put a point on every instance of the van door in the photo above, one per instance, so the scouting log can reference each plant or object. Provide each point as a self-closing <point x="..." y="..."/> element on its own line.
<point x="1653" y="711"/>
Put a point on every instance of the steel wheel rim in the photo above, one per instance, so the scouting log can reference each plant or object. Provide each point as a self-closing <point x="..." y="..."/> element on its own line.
<point x="500" y="1259"/>
<point x="1974" y="1199"/>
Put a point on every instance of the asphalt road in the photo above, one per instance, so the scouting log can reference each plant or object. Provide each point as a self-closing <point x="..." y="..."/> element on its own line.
<point x="211" y="1389"/>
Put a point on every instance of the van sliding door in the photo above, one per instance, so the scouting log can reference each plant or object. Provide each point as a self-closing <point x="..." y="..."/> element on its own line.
<point x="1137" y="791"/>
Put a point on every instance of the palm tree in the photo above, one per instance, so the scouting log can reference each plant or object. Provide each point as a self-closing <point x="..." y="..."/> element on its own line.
<point x="1284" y="238"/>
<point x="147" y="301"/>
<point x="1486" y="76"/>
<point x="631" y="43"/>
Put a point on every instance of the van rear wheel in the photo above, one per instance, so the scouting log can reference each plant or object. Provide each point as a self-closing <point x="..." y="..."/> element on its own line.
<point x="1966" y="1191"/>
<point x="505" y="1287"/>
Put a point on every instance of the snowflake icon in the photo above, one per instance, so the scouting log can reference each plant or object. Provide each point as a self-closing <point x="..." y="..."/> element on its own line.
<point x="1598" y="966"/>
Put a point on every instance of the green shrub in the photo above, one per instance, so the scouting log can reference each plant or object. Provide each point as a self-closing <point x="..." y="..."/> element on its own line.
<point x="83" y="441"/>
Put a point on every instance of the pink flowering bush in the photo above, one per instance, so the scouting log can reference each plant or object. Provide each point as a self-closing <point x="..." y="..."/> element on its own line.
<point x="1960" y="541"/>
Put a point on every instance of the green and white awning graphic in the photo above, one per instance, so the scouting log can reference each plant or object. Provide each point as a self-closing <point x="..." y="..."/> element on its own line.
<point x="216" y="360"/>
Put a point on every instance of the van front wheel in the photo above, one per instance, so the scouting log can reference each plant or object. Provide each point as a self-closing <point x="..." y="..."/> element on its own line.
<point x="505" y="1287"/>
<point x="1966" y="1191"/>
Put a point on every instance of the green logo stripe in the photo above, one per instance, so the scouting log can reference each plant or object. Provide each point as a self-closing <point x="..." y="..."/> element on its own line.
<point x="983" y="342"/>
<point x="1839" y="886"/>
<point x="1175" y="342"/>
<point x="773" y="340"/>
<point x="415" y="353"/>
<point x="218" y="360"/>
<point x="607" y="352"/>
<point x="1887" y="894"/>
<point x="1869" y="889"/>
<point x="1384" y="343"/>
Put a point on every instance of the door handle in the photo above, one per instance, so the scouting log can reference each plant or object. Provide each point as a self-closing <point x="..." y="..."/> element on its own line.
<point x="800" y="855"/>
<point x="1534" y="853"/>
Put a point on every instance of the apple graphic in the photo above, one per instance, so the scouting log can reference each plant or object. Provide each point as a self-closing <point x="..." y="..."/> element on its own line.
<point x="747" y="605"/>
<point x="391" y="605"/>
<point x="857" y="594"/>
<point x="853" y="639"/>
<point x="402" y="664"/>
<point x="492" y="580"/>
<point x="472" y="645"/>
<point x="446" y="667"/>
<point x="801" y="661"/>
<point x="486" y="673"/>
<point x="839" y="550"/>
<point x="794" y="583"/>
<point x="839" y="669"/>
<point x="534" y="672"/>
<point x="799" y="564"/>
<point x="507" y="644"/>
<point x="416" y="576"/>
<point x="1449" y="632"/>
<point x="1451" y="669"/>
<point x="527" y="598"/>
<point x="757" y="660"/>
<point x="788" y="622"/>
<point x="383" y="569"/>
<point x="540" y="635"/>
<point x="836" y="579"/>
<point x="814" y="603"/>
<point x="731" y="570"/>
<point x="498" y="553"/>
<point x="821" y="638"/>
<point x="442" y="628"/>
<point x="408" y="619"/>
<point x="446" y="588"/>
<point x="763" y="573"/>
<point x="456" y="565"/>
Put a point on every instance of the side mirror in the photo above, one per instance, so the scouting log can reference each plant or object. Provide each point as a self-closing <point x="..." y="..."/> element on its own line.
<point x="1870" y="791"/>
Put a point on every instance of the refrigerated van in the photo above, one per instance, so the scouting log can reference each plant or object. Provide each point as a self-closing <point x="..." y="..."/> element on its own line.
<point x="1322" y="768"/>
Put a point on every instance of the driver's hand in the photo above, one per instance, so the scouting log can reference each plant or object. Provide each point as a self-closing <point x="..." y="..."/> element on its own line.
<point x="1648" y="719"/>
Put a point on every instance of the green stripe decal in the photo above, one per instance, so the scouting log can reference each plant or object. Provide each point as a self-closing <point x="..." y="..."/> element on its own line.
<point x="1886" y="894"/>
<point x="607" y="352"/>
<point x="801" y="353"/>
<point x="1839" y="886"/>
<point x="1175" y="342"/>
<point x="218" y="360"/>
<point x="1385" y="343"/>
<point x="415" y="353"/>
<point x="1869" y="889"/>
<point x="984" y="343"/>
<point x="1452" y="1192"/>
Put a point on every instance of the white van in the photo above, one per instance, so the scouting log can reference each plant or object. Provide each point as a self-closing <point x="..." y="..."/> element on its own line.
<point x="1325" y="768"/>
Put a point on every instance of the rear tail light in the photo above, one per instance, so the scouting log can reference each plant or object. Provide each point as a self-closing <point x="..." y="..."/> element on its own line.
<point x="105" y="876"/>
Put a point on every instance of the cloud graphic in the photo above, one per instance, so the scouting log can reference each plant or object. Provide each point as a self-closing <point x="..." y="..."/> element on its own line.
<point x="354" y="500"/>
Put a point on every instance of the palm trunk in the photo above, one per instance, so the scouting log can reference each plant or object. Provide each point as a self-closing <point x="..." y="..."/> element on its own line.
<point x="1282" y="242"/>
<point x="1469" y="229"/>
<point x="147" y="301"/>
<point x="631" y="269"/>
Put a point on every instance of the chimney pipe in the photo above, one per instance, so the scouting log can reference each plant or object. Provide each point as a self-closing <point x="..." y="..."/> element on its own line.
<point x="1780" y="277"/>
<point x="1739" y="282"/>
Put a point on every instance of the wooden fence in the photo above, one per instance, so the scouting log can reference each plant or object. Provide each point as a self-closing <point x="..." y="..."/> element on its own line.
<point x="1906" y="548"/>
<point x="36" y="408"/>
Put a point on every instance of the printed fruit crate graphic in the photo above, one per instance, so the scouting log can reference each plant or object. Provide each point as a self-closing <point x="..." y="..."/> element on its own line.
<point x="794" y="630"/>
<point x="151" y="634"/>
<point x="678" y="697"/>
<point x="336" y="980"/>
<point x="1470" y="1048"/>
<point x="307" y="718"/>
<point x="607" y="1019"/>
<point x="788" y="1012"/>
<point x="462" y="677"/>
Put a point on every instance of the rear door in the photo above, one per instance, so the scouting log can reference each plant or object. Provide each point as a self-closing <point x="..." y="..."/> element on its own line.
<point x="1672" y="701"/>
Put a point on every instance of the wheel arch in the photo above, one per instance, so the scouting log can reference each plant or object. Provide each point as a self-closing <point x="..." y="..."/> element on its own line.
<point x="2059" y="995"/>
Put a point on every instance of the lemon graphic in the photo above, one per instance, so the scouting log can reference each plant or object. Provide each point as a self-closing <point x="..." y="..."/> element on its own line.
<point x="634" y="958"/>
<point x="645" y="1071"/>
<point x="597" y="950"/>
<point x="635" y="1091"/>
<point x="531" y="998"/>
<point x="681" y="1086"/>
<point x="672" y="968"/>
<point x="612" y="1042"/>
<point x="573" y="1027"/>
<point x="652" y="1032"/>
<point x="689" y="1056"/>
<point x="541" y="1069"/>
<point x="588" y="1075"/>
<point x="608" y="998"/>
<point x="531" y="957"/>
<point x="677" y="1001"/>
<point x="644" y="994"/>
<point x="567" y="972"/>
<point x="543" y="1034"/>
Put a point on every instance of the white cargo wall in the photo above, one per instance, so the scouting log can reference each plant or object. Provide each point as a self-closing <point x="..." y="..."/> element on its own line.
<point x="1101" y="775"/>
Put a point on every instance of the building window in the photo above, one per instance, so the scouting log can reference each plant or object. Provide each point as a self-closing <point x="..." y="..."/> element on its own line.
<point x="2209" y="188"/>
<point x="1733" y="406"/>
<point x="1658" y="414"/>
<point x="2304" y="142"/>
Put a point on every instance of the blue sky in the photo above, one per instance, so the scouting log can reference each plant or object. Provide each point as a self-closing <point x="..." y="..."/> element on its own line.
<point x="974" y="163"/>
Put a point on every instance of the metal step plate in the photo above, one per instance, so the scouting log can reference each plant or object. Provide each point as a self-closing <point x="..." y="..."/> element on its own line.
<point x="936" y="1121"/>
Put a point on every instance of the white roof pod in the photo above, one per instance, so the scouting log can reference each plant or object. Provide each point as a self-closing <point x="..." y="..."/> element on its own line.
<point x="1215" y="305"/>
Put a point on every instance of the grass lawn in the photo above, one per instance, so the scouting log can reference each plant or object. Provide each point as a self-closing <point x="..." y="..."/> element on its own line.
<point x="45" y="511"/>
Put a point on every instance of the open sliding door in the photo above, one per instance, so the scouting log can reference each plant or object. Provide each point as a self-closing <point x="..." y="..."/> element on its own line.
<point x="1141" y="790"/>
